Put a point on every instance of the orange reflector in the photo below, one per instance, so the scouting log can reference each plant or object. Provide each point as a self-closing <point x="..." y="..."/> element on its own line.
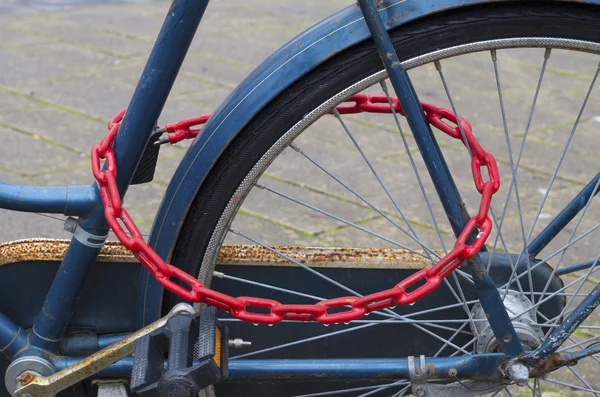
<point x="217" y="356"/>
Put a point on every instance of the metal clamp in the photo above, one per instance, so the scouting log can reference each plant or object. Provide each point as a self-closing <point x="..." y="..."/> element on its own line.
<point x="418" y="376"/>
<point x="86" y="238"/>
<point x="43" y="386"/>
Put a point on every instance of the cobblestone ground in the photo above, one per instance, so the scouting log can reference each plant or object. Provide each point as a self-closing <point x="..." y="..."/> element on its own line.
<point x="66" y="70"/>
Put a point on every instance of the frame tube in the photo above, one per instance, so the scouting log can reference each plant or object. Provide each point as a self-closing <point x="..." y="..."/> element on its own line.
<point x="564" y="331"/>
<point x="441" y="177"/>
<point x="480" y="366"/>
<point x="68" y="200"/>
<point x="575" y="268"/>
<point x="428" y="146"/>
<point x="154" y="86"/>
<point x="62" y="298"/>
<point x="144" y="109"/>
<point x="564" y="217"/>
<point x="12" y="337"/>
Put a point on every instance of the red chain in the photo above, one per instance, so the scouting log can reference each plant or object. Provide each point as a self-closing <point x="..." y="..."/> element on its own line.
<point x="405" y="292"/>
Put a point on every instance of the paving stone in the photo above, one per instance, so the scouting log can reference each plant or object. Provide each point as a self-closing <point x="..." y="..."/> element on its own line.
<point x="11" y="102"/>
<point x="72" y="130"/>
<point x="70" y="57"/>
<point x="29" y="155"/>
<point x="60" y="66"/>
<point x="22" y="71"/>
<point x="91" y="95"/>
<point x="91" y="38"/>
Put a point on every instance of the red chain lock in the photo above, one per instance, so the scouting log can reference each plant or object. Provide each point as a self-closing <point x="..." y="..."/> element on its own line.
<point x="356" y="307"/>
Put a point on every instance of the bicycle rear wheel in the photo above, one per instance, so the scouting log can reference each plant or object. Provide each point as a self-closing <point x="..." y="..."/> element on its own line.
<point x="518" y="73"/>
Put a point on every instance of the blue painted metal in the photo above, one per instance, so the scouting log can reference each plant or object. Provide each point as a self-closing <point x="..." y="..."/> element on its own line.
<point x="564" y="217"/>
<point x="85" y="343"/>
<point x="107" y="340"/>
<point x="155" y="84"/>
<point x="120" y="369"/>
<point x="565" y="329"/>
<point x="442" y="179"/>
<point x="482" y="367"/>
<point x="430" y="151"/>
<point x="278" y="72"/>
<point x="300" y="55"/>
<point x="67" y="200"/>
<point x="491" y="301"/>
<point x="64" y="293"/>
<point x="575" y="268"/>
<point x="479" y="366"/>
<point x="144" y="109"/>
<point x="12" y="337"/>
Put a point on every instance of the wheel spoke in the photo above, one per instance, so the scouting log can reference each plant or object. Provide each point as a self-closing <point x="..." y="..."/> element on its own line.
<point x="562" y="156"/>
<point x="339" y="219"/>
<point x="364" y="200"/>
<point x="385" y="387"/>
<point x="354" y="389"/>
<point x="413" y="164"/>
<point x="572" y="386"/>
<point x="500" y="224"/>
<point x="582" y="380"/>
<point x="392" y="313"/>
<point x="590" y="271"/>
<point x="513" y="171"/>
<point x="380" y="181"/>
<point x="564" y="247"/>
<point x="571" y="236"/>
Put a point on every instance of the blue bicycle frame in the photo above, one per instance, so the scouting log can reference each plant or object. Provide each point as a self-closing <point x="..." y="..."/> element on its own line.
<point x="350" y="26"/>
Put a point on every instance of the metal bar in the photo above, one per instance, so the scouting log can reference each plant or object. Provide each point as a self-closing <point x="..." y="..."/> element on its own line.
<point x="76" y="200"/>
<point x="428" y="146"/>
<point x="60" y="302"/>
<point x="154" y="86"/>
<point x="481" y="367"/>
<point x="83" y="367"/>
<point x="562" y="332"/>
<point x="119" y="369"/>
<point x="12" y="337"/>
<point x="575" y="268"/>
<point x="573" y="357"/>
<point x="441" y="177"/>
<point x="84" y="343"/>
<point x="152" y="91"/>
<point x="564" y="217"/>
<point x="107" y="340"/>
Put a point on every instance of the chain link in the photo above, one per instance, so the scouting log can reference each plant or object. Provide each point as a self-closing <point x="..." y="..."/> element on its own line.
<point x="343" y="309"/>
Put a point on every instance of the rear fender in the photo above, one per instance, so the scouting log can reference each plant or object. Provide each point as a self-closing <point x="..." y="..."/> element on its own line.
<point x="292" y="61"/>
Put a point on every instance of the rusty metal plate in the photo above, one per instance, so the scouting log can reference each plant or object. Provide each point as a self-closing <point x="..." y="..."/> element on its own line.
<point x="320" y="257"/>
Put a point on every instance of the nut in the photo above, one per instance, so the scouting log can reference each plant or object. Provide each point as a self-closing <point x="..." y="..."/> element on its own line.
<point x="25" y="378"/>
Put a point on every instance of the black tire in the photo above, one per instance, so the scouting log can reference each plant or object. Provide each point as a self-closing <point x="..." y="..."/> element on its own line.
<point x="461" y="26"/>
<point x="476" y="23"/>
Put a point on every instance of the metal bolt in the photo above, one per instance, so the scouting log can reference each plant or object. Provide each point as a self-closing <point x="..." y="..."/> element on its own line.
<point x="452" y="372"/>
<point x="420" y="391"/>
<point x="237" y="342"/>
<point x="519" y="373"/>
<point x="25" y="378"/>
<point x="71" y="225"/>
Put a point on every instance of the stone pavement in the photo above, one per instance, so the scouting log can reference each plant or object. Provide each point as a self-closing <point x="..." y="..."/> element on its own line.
<point x="66" y="70"/>
<point x="64" y="73"/>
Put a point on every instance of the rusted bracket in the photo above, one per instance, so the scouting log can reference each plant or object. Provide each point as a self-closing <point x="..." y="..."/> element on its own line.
<point x="558" y="360"/>
<point x="45" y="386"/>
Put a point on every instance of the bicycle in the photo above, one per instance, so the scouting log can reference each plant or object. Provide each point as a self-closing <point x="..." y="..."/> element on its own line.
<point x="513" y="318"/>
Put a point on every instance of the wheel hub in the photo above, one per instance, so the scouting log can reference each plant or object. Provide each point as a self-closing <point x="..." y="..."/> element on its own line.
<point x="523" y="318"/>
